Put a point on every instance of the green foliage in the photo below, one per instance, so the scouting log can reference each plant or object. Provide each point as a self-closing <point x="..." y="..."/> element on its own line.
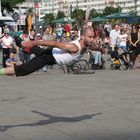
<point x="60" y="14"/>
<point x="94" y="13"/>
<point x="111" y="10"/>
<point x="78" y="14"/>
<point x="8" y="5"/>
<point x="30" y="11"/>
<point x="48" y="18"/>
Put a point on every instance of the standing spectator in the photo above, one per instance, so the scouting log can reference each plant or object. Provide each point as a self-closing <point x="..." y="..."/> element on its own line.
<point x="67" y="28"/>
<point x="59" y="32"/>
<point x="7" y="43"/>
<point x="75" y="35"/>
<point x="39" y="38"/>
<point x="102" y="33"/>
<point x="134" y="38"/>
<point x="107" y="28"/>
<point x="32" y="35"/>
<point x="24" y="54"/>
<point x="96" y="32"/>
<point x="123" y="37"/>
<point x="48" y="35"/>
<point x="114" y="34"/>
<point x="65" y="38"/>
<point x="5" y="29"/>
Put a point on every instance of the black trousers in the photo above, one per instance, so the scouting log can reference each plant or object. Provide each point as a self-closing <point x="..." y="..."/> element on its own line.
<point x="5" y="56"/>
<point x="43" y="57"/>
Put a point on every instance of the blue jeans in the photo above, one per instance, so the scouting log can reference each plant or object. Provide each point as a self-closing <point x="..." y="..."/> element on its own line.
<point x="97" y="56"/>
<point x="123" y="47"/>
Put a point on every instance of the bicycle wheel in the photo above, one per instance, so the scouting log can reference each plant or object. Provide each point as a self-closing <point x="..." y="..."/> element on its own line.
<point x="123" y="67"/>
<point x="130" y="66"/>
<point x="79" y="66"/>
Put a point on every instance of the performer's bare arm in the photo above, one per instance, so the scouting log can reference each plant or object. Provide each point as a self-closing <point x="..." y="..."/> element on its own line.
<point x="96" y="48"/>
<point x="72" y="48"/>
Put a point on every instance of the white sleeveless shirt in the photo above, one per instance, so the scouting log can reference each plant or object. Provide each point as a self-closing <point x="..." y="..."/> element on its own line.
<point x="62" y="57"/>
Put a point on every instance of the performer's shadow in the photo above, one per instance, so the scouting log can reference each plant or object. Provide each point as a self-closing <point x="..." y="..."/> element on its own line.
<point x="50" y="119"/>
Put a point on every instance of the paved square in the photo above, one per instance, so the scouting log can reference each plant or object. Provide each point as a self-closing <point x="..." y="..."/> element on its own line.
<point x="56" y="106"/>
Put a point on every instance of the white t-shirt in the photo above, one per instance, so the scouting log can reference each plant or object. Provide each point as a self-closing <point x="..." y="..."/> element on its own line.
<point x="123" y="39"/>
<point x="114" y="37"/>
<point x="62" y="57"/>
<point x="7" y="41"/>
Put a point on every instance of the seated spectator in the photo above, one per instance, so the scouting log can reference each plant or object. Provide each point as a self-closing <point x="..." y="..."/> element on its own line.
<point x="12" y="60"/>
<point x="97" y="56"/>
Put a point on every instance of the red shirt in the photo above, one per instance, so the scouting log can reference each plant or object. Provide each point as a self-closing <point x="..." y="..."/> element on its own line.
<point x="67" y="28"/>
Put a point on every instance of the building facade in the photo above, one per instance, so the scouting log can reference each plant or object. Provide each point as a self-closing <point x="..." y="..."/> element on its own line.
<point x="52" y="6"/>
<point x="64" y="5"/>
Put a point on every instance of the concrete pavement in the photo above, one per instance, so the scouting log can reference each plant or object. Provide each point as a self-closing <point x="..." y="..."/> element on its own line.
<point x="55" y="106"/>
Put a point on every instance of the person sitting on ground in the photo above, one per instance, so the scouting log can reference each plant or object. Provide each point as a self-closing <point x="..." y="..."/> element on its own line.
<point x="12" y="60"/>
<point x="97" y="55"/>
<point x="58" y="53"/>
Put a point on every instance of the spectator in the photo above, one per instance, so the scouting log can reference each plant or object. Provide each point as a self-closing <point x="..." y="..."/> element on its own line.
<point x="67" y="28"/>
<point x="114" y="34"/>
<point x="75" y="35"/>
<point x="123" y="37"/>
<point x="107" y="28"/>
<point x="59" y="31"/>
<point x="32" y="35"/>
<point x="6" y="29"/>
<point x="65" y="38"/>
<point x="7" y="42"/>
<point x="134" y="38"/>
<point x="48" y="35"/>
<point x="24" y="54"/>
<point x="12" y="60"/>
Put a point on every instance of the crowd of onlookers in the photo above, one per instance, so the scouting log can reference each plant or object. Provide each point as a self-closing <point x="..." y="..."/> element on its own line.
<point x="122" y="37"/>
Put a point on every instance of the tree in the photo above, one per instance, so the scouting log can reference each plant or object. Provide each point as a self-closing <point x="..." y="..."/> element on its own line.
<point x="94" y="13"/>
<point x="111" y="10"/>
<point x="60" y="14"/>
<point x="8" y="5"/>
<point x="78" y="14"/>
<point x="48" y="17"/>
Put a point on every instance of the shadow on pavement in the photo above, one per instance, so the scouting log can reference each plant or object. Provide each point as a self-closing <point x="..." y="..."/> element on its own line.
<point x="50" y="119"/>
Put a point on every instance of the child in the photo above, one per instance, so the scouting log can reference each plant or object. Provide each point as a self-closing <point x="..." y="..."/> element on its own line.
<point x="12" y="60"/>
